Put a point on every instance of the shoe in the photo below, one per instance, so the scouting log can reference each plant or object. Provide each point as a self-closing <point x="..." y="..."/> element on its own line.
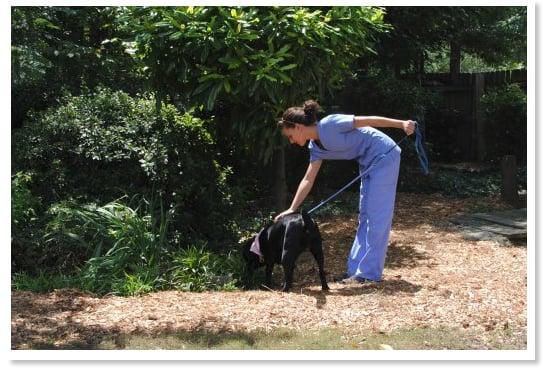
<point x="340" y="277"/>
<point x="353" y="280"/>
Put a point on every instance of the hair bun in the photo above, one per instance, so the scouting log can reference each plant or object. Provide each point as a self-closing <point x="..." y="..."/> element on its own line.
<point x="311" y="108"/>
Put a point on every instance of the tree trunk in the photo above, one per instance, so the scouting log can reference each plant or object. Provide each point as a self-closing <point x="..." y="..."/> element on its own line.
<point x="397" y="70"/>
<point x="280" y="182"/>
<point x="420" y="66"/>
<point x="95" y="38"/>
<point x="455" y="60"/>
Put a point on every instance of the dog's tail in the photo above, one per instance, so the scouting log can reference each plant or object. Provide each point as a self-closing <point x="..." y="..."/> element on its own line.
<point x="308" y="221"/>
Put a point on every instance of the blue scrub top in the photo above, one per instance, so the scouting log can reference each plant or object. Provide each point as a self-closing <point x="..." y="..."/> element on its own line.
<point x="342" y="141"/>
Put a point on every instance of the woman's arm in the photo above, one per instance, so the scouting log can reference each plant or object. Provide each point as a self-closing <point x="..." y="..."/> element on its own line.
<point x="383" y="122"/>
<point x="304" y="188"/>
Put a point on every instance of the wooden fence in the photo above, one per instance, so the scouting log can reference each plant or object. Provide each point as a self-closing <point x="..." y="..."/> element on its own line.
<point x="459" y="125"/>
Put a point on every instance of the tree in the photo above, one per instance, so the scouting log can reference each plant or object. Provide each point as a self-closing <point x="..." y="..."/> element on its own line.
<point x="495" y="34"/>
<point x="257" y="61"/>
<point x="56" y="48"/>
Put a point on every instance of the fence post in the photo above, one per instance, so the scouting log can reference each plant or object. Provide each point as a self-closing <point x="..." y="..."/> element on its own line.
<point x="478" y="86"/>
<point x="509" y="189"/>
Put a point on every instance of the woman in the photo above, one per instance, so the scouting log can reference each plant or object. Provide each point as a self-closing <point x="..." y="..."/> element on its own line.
<point x="352" y="137"/>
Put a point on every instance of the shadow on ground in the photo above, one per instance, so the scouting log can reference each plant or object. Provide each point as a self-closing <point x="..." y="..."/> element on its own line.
<point x="404" y="256"/>
<point x="387" y="287"/>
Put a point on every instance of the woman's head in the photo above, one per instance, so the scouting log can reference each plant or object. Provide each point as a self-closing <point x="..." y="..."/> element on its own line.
<point x="294" y="119"/>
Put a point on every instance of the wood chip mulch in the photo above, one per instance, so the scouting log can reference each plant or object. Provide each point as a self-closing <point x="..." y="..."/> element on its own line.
<point x="433" y="278"/>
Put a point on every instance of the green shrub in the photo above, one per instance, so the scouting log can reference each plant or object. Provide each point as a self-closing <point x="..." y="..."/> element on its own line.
<point x="26" y="226"/>
<point x="128" y="253"/>
<point x="455" y="183"/>
<point x="144" y="279"/>
<point x="504" y="110"/>
<point x="23" y="203"/>
<point x="195" y="269"/>
<point x="123" y="247"/>
<point x="98" y="146"/>
<point x="43" y="281"/>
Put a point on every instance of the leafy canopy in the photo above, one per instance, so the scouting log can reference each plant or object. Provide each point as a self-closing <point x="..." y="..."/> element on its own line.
<point x="256" y="60"/>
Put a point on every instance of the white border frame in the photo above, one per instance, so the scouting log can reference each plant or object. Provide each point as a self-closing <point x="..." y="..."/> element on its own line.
<point x="528" y="354"/>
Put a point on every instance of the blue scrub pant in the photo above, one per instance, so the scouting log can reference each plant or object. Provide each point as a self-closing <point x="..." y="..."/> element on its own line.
<point x="378" y="189"/>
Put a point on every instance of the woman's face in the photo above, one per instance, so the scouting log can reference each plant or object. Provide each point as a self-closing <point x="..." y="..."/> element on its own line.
<point x="295" y="135"/>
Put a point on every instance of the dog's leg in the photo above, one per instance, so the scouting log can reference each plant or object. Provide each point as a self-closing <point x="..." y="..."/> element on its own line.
<point x="268" y="274"/>
<point x="316" y="248"/>
<point x="292" y="247"/>
<point x="288" y="263"/>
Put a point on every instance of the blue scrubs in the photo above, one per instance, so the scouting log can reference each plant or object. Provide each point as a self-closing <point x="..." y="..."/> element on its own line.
<point x="342" y="141"/>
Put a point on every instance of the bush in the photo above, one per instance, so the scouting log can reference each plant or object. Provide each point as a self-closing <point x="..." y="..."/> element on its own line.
<point x="23" y="203"/>
<point x="505" y="115"/>
<point x="453" y="183"/>
<point x="126" y="251"/>
<point x="98" y="146"/>
<point x="122" y="248"/>
<point x="43" y="282"/>
<point x="196" y="269"/>
<point x="26" y="226"/>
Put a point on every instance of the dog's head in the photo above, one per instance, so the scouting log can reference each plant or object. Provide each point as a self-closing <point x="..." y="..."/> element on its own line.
<point x="253" y="261"/>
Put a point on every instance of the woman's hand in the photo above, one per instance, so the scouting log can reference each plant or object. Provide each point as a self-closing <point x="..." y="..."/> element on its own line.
<point x="288" y="211"/>
<point x="409" y="126"/>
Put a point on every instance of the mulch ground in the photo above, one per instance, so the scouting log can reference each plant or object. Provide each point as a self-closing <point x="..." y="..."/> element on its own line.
<point x="433" y="279"/>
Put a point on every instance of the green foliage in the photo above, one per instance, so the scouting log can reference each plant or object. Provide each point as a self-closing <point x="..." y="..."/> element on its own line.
<point x="66" y="47"/>
<point x="497" y="34"/>
<point x="23" y="204"/>
<point x="196" y="269"/>
<point x="43" y="282"/>
<point x="127" y="251"/>
<point x="422" y="37"/>
<point x="504" y="110"/>
<point x="91" y="139"/>
<point x="438" y="62"/>
<point x="452" y="183"/>
<point x="143" y="280"/>
<point x="122" y="246"/>
<point x="26" y="223"/>
<point x="257" y="60"/>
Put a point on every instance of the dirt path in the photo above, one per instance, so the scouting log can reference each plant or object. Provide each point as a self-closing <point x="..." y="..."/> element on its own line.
<point x="433" y="279"/>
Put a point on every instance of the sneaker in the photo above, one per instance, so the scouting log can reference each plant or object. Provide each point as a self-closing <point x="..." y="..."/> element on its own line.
<point x="340" y="277"/>
<point x="354" y="280"/>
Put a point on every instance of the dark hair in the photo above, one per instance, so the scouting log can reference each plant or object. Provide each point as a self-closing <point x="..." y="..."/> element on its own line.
<point x="307" y="115"/>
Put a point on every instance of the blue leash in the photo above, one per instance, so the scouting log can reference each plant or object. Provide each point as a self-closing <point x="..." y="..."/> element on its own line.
<point x="422" y="156"/>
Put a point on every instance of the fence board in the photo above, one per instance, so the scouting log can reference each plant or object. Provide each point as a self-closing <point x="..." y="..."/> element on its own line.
<point x="460" y="110"/>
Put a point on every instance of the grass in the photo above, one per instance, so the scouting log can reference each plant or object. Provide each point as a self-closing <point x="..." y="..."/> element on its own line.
<point x="287" y="339"/>
<point x="44" y="282"/>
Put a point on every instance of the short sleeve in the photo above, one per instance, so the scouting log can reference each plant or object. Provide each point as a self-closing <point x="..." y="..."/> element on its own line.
<point x="343" y="123"/>
<point x="315" y="155"/>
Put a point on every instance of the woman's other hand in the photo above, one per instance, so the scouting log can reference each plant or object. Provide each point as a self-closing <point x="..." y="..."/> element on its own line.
<point x="409" y="126"/>
<point x="288" y="211"/>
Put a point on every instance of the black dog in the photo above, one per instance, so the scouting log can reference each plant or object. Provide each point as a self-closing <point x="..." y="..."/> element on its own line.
<point x="281" y="243"/>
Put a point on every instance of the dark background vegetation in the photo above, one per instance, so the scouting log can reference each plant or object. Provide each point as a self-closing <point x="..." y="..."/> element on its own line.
<point x="144" y="144"/>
